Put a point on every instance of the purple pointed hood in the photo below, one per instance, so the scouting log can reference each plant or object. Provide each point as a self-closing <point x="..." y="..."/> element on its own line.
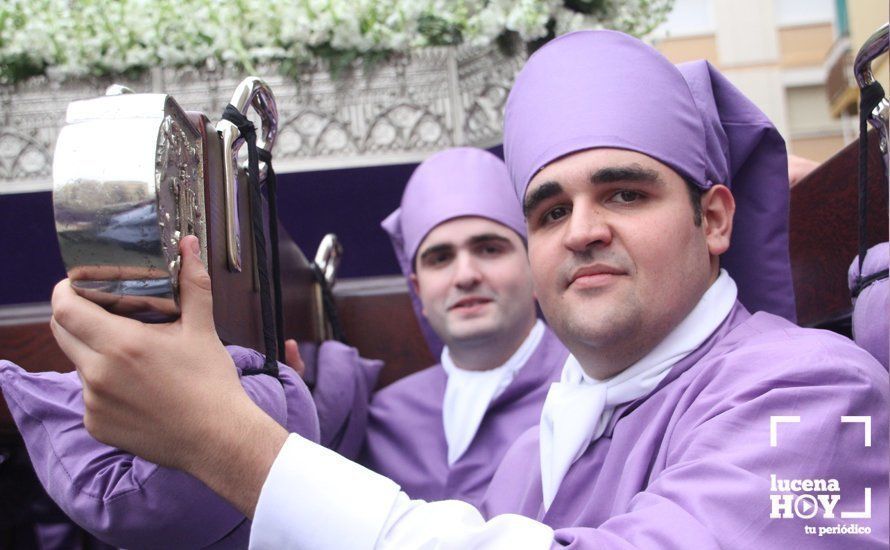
<point x="450" y="184"/>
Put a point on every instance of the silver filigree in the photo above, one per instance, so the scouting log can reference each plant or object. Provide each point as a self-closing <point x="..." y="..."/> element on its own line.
<point x="399" y="111"/>
<point x="179" y="188"/>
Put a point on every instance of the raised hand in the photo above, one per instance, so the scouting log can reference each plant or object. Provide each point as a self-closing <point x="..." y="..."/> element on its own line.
<point x="169" y="392"/>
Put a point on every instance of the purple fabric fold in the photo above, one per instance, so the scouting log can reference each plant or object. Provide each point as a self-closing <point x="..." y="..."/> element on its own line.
<point x="121" y="498"/>
<point x="871" y="309"/>
<point x="343" y="384"/>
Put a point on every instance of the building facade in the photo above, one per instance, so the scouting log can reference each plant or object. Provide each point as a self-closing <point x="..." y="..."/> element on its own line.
<point x="781" y="53"/>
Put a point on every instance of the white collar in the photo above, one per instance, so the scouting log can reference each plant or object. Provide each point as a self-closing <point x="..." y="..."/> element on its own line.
<point x="578" y="408"/>
<point x="469" y="393"/>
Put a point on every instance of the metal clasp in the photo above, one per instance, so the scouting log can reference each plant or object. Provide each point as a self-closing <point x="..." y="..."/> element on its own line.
<point x="328" y="257"/>
<point x="252" y="92"/>
<point x="876" y="45"/>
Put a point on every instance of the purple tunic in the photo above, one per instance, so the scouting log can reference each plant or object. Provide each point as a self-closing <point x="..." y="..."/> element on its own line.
<point x="690" y="465"/>
<point x="406" y="437"/>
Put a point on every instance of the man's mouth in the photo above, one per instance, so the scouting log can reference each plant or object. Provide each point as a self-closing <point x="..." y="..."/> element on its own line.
<point x="594" y="276"/>
<point x="469" y="303"/>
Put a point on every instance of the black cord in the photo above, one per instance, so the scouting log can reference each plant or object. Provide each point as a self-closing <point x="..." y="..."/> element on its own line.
<point x="869" y="98"/>
<point x="270" y="338"/>
<point x="272" y="191"/>
<point x="862" y="282"/>
<point x="328" y="304"/>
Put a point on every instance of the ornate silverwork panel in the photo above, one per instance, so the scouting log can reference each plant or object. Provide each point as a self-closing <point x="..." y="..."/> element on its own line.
<point x="400" y="111"/>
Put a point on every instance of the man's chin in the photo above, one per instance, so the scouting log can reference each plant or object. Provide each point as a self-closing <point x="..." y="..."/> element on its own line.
<point x="596" y="327"/>
<point x="472" y="330"/>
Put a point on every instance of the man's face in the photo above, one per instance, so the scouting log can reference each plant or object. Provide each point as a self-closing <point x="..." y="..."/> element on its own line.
<point x="616" y="256"/>
<point x="473" y="278"/>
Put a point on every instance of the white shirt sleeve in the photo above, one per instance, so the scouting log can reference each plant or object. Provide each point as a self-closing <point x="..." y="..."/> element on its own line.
<point x="315" y="498"/>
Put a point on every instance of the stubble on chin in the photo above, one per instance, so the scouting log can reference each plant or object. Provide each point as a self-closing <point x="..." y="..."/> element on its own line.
<point x="608" y="333"/>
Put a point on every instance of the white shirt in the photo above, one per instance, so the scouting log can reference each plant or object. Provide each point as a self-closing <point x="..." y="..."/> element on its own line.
<point x="314" y="498"/>
<point x="468" y="393"/>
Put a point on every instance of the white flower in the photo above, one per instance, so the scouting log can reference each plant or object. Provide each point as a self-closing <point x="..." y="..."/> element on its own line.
<point x="67" y="38"/>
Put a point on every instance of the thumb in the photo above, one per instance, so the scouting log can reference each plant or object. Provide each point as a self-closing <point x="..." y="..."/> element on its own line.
<point x="195" y="297"/>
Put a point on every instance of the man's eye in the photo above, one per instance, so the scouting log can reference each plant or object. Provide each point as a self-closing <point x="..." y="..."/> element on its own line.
<point x="554" y="214"/>
<point x="627" y="196"/>
<point x="433" y="260"/>
<point x="490" y="250"/>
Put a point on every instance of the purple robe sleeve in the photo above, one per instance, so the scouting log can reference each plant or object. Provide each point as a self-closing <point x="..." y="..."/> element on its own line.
<point x="715" y="488"/>
<point x="121" y="498"/>
<point x="871" y="309"/>
<point x="343" y="382"/>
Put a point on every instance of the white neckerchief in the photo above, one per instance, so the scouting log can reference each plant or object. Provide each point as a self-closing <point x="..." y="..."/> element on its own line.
<point x="578" y="408"/>
<point x="468" y="393"/>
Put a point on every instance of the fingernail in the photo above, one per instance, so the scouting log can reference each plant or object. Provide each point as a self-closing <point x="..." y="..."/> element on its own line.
<point x="196" y="247"/>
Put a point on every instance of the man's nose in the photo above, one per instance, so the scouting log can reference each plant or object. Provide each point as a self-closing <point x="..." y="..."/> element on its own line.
<point x="467" y="274"/>
<point x="588" y="227"/>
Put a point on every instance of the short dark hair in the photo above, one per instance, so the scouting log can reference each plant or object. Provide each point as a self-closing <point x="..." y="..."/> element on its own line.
<point x="695" y="194"/>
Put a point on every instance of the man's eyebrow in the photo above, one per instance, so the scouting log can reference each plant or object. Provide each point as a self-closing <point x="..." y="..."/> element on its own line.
<point x="629" y="173"/>
<point x="543" y="192"/>
<point x="487" y="237"/>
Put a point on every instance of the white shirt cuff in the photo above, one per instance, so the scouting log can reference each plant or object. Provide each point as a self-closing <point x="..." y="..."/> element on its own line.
<point x="315" y="498"/>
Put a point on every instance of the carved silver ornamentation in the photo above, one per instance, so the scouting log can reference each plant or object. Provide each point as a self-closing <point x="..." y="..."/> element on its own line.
<point x="400" y="111"/>
<point x="181" y="204"/>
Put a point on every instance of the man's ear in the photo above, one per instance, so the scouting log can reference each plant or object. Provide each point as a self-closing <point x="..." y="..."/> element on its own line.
<point x="718" y="209"/>
<point x="415" y="287"/>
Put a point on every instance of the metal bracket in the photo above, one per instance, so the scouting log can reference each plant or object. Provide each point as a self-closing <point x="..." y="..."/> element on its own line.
<point x="876" y="45"/>
<point x="328" y="257"/>
<point x="252" y="92"/>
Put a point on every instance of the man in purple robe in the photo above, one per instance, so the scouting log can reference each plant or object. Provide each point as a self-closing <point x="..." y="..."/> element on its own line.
<point x="441" y="432"/>
<point x="682" y="419"/>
